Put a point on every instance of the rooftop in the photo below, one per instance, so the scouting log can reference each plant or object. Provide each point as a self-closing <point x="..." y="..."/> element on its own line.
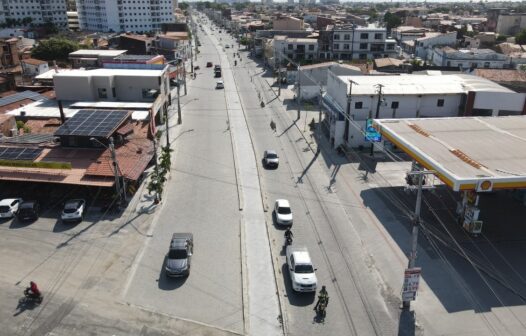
<point x="421" y="84"/>
<point x="33" y="61"/>
<point x="467" y="151"/>
<point x="96" y="52"/>
<point x="110" y="72"/>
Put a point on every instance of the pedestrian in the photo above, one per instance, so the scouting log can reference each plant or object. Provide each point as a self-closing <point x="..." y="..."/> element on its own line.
<point x="273" y="125"/>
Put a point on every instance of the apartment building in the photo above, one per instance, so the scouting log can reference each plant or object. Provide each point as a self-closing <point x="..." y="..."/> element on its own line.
<point x="469" y="58"/>
<point x="34" y="11"/>
<point x="296" y="48"/>
<point x="423" y="46"/>
<point x="353" y="42"/>
<point x="124" y="15"/>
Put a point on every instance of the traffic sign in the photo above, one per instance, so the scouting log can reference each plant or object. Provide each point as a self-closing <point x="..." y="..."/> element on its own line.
<point x="371" y="134"/>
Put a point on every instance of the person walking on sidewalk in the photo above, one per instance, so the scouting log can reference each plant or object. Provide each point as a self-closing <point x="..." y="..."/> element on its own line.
<point x="273" y="125"/>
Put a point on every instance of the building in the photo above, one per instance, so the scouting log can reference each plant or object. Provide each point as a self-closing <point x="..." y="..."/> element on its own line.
<point x="512" y="79"/>
<point x="469" y="58"/>
<point x="9" y="52"/>
<point x="313" y="77"/>
<point x="36" y="12"/>
<point x="422" y="46"/>
<point x="135" y="43"/>
<point x="408" y="33"/>
<point x="287" y="23"/>
<point x="298" y="49"/>
<point x="510" y="24"/>
<point x="73" y="21"/>
<point x="410" y="96"/>
<point x="124" y="15"/>
<point x="353" y="42"/>
<point x="173" y="45"/>
<point x="92" y="58"/>
<point x="34" y="67"/>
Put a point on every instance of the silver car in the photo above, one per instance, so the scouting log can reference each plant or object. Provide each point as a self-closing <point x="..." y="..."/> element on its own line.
<point x="271" y="159"/>
<point x="179" y="257"/>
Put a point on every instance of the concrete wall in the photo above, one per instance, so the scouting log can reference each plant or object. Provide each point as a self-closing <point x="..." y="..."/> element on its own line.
<point x="287" y="23"/>
<point x="510" y="24"/>
<point x="500" y="101"/>
<point x="73" y="88"/>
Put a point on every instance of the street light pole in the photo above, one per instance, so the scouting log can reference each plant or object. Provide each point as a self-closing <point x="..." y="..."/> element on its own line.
<point x="179" y="116"/>
<point x="167" y="128"/>
<point x="299" y="93"/>
<point x="377" y="114"/>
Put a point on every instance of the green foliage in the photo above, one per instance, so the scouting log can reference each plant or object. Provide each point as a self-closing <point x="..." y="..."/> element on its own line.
<point x="183" y="5"/>
<point x="21" y="125"/>
<point x="444" y="10"/>
<point x="241" y="5"/>
<point x="55" y="48"/>
<point x="501" y="38"/>
<point x="158" y="177"/>
<point x="391" y="21"/>
<point x="244" y="40"/>
<point x="520" y="38"/>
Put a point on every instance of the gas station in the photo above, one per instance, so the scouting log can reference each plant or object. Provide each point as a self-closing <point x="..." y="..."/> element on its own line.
<point x="471" y="155"/>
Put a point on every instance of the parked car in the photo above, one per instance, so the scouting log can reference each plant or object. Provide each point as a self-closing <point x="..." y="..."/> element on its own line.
<point x="217" y="73"/>
<point x="270" y="158"/>
<point x="9" y="207"/>
<point x="28" y="210"/>
<point x="283" y="212"/>
<point x="209" y="64"/>
<point x="73" y="210"/>
<point x="302" y="273"/>
<point x="227" y="46"/>
<point x="217" y="67"/>
<point x="179" y="255"/>
<point x="220" y="84"/>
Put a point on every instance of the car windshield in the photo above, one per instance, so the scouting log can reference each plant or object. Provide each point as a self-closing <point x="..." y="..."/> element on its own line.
<point x="177" y="254"/>
<point x="284" y="211"/>
<point x="272" y="156"/>
<point x="71" y="206"/>
<point x="4" y="208"/>
<point x="304" y="269"/>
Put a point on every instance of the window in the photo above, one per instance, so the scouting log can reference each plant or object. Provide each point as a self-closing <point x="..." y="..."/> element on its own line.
<point x="378" y="36"/>
<point x="336" y="46"/>
<point x="364" y="36"/>
<point x="363" y="46"/>
<point x="102" y="93"/>
<point x="311" y="47"/>
<point x="290" y="46"/>
<point x="394" y="105"/>
<point x="345" y="47"/>
<point x="358" y="105"/>
<point x="336" y="36"/>
<point x="347" y="37"/>
<point x="440" y="102"/>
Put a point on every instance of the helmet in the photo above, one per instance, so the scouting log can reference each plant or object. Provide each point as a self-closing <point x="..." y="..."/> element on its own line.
<point x="322" y="288"/>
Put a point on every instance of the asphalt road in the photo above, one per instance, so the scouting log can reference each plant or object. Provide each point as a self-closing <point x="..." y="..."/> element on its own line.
<point x="201" y="198"/>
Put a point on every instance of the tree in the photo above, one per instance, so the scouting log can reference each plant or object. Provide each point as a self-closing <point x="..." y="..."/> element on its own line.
<point x="520" y="38"/>
<point x="391" y="21"/>
<point x="54" y="49"/>
<point x="183" y="5"/>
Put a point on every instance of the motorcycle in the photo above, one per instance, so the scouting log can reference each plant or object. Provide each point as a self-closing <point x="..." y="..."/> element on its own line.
<point x="321" y="311"/>
<point x="288" y="240"/>
<point x="32" y="296"/>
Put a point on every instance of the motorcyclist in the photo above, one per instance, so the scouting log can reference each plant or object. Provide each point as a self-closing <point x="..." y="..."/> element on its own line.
<point x="288" y="234"/>
<point x="33" y="289"/>
<point x="322" y="297"/>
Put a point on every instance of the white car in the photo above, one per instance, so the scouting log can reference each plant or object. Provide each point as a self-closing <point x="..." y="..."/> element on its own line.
<point x="270" y="159"/>
<point x="9" y="207"/>
<point x="220" y="85"/>
<point x="73" y="210"/>
<point x="283" y="212"/>
<point x="301" y="271"/>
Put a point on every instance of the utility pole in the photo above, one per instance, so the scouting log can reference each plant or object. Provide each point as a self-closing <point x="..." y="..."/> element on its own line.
<point x="167" y="128"/>
<point x="377" y="114"/>
<point x="184" y="77"/>
<point x="179" y="117"/>
<point x="347" y="125"/>
<point x="320" y="107"/>
<point x="416" y="223"/>
<point x="279" y="75"/>
<point x="120" y="192"/>
<point x="299" y="94"/>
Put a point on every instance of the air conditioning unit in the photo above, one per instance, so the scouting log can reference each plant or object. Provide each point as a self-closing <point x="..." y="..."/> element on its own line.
<point x="485" y="186"/>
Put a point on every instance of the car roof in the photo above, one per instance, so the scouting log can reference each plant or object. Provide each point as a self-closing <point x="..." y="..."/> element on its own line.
<point x="283" y="203"/>
<point x="7" y="201"/>
<point x="271" y="151"/>
<point x="301" y="257"/>
<point x="28" y="204"/>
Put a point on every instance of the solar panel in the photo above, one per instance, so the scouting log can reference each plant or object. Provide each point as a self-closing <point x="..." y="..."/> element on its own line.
<point x="96" y="123"/>
<point x="29" y="139"/>
<point x="21" y="96"/>
<point x="19" y="153"/>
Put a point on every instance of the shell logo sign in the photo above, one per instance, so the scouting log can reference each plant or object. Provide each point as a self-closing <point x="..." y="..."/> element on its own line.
<point x="485" y="186"/>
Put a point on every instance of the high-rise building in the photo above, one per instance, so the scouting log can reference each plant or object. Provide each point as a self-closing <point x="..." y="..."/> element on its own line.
<point x="36" y="12"/>
<point x="124" y="15"/>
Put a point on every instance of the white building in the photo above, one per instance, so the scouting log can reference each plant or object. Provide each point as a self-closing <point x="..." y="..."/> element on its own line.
<point x="124" y="15"/>
<point x="295" y="48"/>
<point x="422" y="47"/>
<point x="469" y="58"/>
<point x="35" y="11"/>
<point x="93" y="58"/>
<point x="352" y="42"/>
<point x="113" y="86"/>
<point x="411" y="96"/>
<point x="34" y="67"/>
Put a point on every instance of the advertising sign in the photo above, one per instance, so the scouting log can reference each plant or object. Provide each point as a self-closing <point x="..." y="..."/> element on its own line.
<point x="411" y="282"/>
<point x="371" y="134"/>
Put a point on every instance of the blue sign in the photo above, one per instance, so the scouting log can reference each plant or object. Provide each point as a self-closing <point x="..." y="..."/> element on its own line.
<point x="371" y="134"/>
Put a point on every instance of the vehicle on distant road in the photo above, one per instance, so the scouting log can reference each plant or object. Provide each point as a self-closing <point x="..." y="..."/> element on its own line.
<point x="209" y="64"/>
<point x="302" y="273"/>
<point x="227" y="46"/>
<point x="28" y="210"/>
<point x="217" y="67"/>
<point x="217" y="73"/>
<point x="73" y="210"/>
<point x="9" y="207"/>
<point x="283" y="212"/>
<point x="179" y="255"/>
<point x="220" y="84"/>
<point x="270" y="159"/>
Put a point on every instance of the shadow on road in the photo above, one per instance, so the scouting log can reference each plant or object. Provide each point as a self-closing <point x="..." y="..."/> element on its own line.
<point x="167" y="283"/>
<point x="23" y="305"/>
<point x="406" y="326"/>
<point x="295" y="299"/>
<point x="61" y="226"/>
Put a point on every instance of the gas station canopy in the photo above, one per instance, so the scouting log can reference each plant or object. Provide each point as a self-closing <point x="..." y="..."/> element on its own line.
<point x="467" y="153"/>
